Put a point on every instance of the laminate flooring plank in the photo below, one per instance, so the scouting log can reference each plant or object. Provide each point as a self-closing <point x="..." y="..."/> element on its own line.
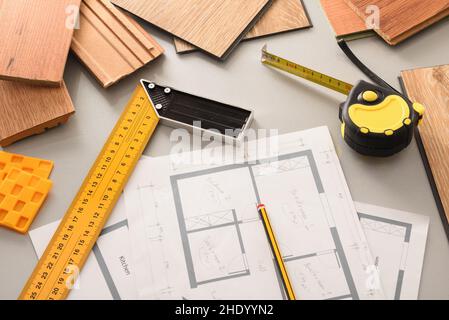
<point x="35" y="37"/>
<point x="27" y="109"/>
<point x="214" y="26"/>
<point x="283" y="16"/>
<point x="343" y="20"/>
<point x="111" y="44"/>
<point x="400" y="19"/>
<point x="430" y="86"/>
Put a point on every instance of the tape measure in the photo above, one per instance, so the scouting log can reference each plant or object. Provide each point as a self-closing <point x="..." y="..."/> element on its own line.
<point x="82" y="224"/>
<point x="375" y="120"/>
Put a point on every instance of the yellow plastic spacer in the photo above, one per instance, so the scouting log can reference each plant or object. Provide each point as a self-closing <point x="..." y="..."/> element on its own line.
<point x="38" y="167"/>
<point x="408" y="122"/>
<point x="21" y="197"/>
<point x="389" y="132"/>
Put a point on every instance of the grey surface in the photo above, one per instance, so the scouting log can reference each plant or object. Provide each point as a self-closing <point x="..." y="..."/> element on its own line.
<point x="279" y="101"/>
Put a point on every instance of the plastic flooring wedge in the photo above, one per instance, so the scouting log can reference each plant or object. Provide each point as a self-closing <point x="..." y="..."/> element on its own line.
<point x="38" y="167"/>
<point x="21" y="197"/>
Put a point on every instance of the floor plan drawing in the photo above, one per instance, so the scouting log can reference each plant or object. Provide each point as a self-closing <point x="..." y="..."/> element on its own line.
<point x="397" y="240"/>
<point x="200" y="251"/>
<point x="108" y="272"/>
<point x="211" y="263"/>
<point x="217" y="248"/>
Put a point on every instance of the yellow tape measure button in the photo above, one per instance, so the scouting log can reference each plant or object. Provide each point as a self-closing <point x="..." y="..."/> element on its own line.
<point x="370" y="96"/>
<point x="364" y="130"/>
<point x="389" y="132"/>
<point x="407" y="121"/>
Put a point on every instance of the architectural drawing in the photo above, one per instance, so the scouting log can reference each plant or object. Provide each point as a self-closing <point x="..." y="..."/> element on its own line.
<point x="214" y="239"/>
<point x="198" y="231"/>
<point x="108" y="273"/>
<point x="397" y="240"/>
<point x="102" y="263"/>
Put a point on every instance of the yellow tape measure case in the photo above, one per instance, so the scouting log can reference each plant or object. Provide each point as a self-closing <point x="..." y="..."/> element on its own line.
<point x="377" y="121"/>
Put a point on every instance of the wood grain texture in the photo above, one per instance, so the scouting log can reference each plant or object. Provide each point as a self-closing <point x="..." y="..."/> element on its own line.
<point x="282" y="16"/>
<point x="27" y="109"/>
<point x="214" y="26"/>
<point x="111" y="44"/>
<point x="34" y="40"/>
<point x="400" y="19"/>
<point x="430" y="86"/>
<point x="344" y="21"/>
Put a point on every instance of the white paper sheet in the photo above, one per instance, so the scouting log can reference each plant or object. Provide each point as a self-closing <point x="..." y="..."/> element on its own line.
<point x="108" y="272"/>
<point x="196" y="233"/>
<point x="398" y="241"/>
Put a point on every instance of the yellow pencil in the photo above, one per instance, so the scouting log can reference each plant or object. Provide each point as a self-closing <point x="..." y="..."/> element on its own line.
<point x="276" y="252"/>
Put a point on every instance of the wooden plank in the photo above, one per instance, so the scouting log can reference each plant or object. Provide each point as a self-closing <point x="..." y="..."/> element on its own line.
<point x="343" y="20"/>
<point x="400" y="19"/>
<point x="111" y="44"/>
<point x="430" y="86"/>
<point x="35" y="39"/>
<point x="214" y="26"/>
<point x="283" y="16"/>
<point x="27" y="109"/>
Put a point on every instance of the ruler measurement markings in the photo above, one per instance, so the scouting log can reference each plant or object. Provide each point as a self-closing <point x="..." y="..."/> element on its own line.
<point x="306" y="73"/>
<point x="129" y="148"/>
<point x="84" y="219"/>
<point x="116" y="143"/>
<point x="135" y="128"/>
<point x="49" y="265"/>
<point x="54" y="274"/>
<point x="58" y="275"/>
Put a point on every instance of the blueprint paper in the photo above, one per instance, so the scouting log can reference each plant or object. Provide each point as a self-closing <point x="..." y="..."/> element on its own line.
<point x="196" y="233"/>
<point x="107" y="273"/>
<point x="398" y="241"/>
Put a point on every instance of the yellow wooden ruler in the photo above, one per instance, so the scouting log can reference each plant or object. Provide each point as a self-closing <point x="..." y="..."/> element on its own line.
<point x="82" y="224"/>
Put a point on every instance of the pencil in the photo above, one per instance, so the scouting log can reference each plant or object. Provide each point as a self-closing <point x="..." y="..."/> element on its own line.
<point x="276" y="252"/>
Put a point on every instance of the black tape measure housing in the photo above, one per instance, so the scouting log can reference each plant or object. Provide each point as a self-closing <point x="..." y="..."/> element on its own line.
<point x="364" y="139"/>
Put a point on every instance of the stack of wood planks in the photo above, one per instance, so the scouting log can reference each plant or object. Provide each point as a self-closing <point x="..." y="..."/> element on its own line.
<point x="35" y="42"/>
<point x="282" y="16"/>
<point x="36" y="36"/>
<point x="217" y="26"/>
<point x="430" y="86"/>
<point x="394" y="20"/>
<point x="35" y="39"/>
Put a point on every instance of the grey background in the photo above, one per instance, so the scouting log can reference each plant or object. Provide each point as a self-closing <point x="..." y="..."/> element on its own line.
<point x="279" y="101"/>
